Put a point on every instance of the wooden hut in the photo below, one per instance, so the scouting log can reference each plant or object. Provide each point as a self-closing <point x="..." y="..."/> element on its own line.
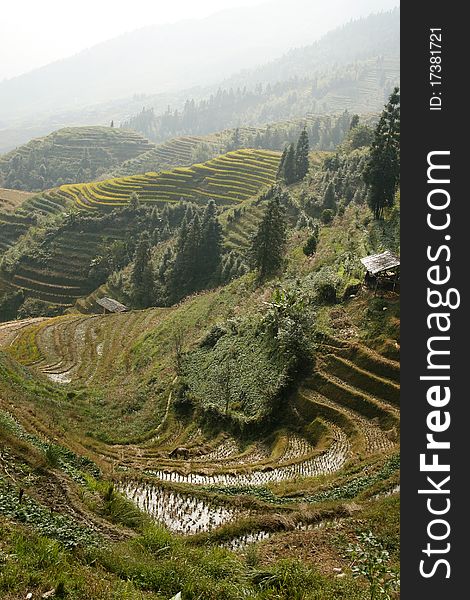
<point x="109" y="305"/>
<point x="382" y="269"/>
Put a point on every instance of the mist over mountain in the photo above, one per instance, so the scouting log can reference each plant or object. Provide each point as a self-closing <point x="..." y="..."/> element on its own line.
<point x="352" y="68"/>
<point x="168" y="58"/>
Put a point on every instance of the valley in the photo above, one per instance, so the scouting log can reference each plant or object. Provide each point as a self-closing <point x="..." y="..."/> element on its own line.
<point x="199" y="373"/>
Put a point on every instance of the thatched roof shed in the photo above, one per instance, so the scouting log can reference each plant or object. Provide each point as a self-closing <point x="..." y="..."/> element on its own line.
<point x="111" y="305"/>
<point x="378" y="263"/>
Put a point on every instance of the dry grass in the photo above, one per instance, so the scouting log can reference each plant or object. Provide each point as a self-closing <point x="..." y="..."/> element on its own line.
<point x="12" y="199"/>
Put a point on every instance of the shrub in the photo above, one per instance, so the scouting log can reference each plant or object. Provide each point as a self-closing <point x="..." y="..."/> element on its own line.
<point x="324" y="284"/>
<point x="33" y="307"/>
<point x="372" y="561"/>
<point x="310" y="245"/>
<point x="52" y="456"/>
<point x="327" y="216"/>
<point x="9" y="305"/>
<point x="326" y="293"/>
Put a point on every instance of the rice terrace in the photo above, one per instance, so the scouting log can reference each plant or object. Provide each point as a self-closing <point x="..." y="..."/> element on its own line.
<point x="199" y="378"/>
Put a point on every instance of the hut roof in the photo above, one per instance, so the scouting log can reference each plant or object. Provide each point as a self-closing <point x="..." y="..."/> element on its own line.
<point x="376" y="263"/>
<point x="112" y="305"/>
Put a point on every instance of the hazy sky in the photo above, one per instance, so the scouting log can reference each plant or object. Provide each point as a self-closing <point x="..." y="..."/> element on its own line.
<point x="36" y="32"/>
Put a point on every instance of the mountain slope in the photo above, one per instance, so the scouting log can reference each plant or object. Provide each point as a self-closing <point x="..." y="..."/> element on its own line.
<point x="229" y="178"/>
<point x="352" y="68"/>
<point x="176" y="56"/>
<point x="69" y="155"/>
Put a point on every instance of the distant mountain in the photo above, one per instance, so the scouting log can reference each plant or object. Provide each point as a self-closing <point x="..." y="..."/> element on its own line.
<point x="352" y="68"/>
<point x="359" y="40"/>
<point x="171" y="57"/>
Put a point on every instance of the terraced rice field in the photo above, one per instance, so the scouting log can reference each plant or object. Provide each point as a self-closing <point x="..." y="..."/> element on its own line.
<point x="227" y="179"/>
<point x="12" y="199"/>
<point x="61" y="277"/>
<point x="367" y="92"/>
<point x="16" y="220"/>
<point x="172" y="153"/>
<point x="239" y="230"/>
<point x="49" y="203"/>
<point x="354" y="394"/>
<point x="181" y="513"/>
<point x="63" y="151"/>
<point x="80" y="348"/>
<point x="12" y="226"/>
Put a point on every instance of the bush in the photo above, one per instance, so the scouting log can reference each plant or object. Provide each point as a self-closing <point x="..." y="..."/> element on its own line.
<point x="327" y="216"/>
<point x="326" y="293"/>
<point x="310" y="245"/>
<point x="372" y="561"/>
<point x="213" y="336"/>
<point x="324" y="284"/>
<point x="9" y="305"/>
<point x="352" y="289"/>
<point x="33" y="307"/>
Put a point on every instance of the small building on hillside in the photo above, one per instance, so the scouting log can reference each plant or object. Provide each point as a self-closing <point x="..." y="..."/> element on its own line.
<point x="109" y="305"/>
<point x="382" y="269"/>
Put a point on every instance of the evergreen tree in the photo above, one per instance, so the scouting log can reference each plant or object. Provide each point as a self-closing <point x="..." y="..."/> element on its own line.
<point x="142" y="276"/>
<point x="210" y="252"/>
<point x="382" y="172"/>
<point x="329" y="199"/>
<point x="289" y="170"/>
<point x="301" y="156"/>
<point x="235" y="142"/>
<point x="134" y="201"/>
<point x="354" y="121"/>
<point x="282" y="164"/>
<point x="185" y="272"/>
<point x="360" y="136"/>
<point x="268" y="245"/>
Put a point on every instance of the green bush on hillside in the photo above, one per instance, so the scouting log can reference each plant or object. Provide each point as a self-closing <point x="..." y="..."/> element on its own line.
<point x="240" y="371"/>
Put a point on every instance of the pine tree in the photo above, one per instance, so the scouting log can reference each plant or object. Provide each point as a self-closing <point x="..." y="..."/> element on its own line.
<point x="185" y="272"/>
<point x="134" y="201"/>
<point x="354" y="121"/>
<point x="235" y="142"/>
<point x="268" y="245"/>
<point x="382" y="172"/>
<point x="210" y="252"/>
<point x="301" y="156"/>
<point x="289" y="166"/>
<point x="142" y="276"/>
<point x="329" y="199"/>
<point x="282" y="165"/>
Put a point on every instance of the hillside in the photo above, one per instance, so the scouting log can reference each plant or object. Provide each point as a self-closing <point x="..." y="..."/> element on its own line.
<point x="325" y="133"/>
<point x="12" y="199"/>
<point x="228" y="178"/>
<point x="353" y="68"/>
<point x="53" y="263"/>
<point x="308" y="78"/>
<point x="69" y="155"/>
<point x="175" y="56"/>
<point x="95" y="426"/>
<point x="175" y="152"/>
<point x="233" y="430"/>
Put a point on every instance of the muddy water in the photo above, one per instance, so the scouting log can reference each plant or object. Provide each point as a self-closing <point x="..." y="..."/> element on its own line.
<point x="329" y="461"/>
<point x="181" y="513"/>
